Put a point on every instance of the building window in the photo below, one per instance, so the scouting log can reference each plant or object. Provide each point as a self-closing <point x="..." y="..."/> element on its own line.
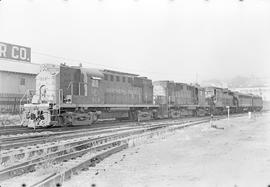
<point x="117" y="78"/>
<point x="129" y="79"/>
<point x="112" y="77"/>
<point x="105" y="77"/>
<point x="22" y="82"/>
<point x="124" y="79"/>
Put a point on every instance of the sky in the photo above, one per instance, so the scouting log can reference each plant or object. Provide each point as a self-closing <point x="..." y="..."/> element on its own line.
<point x="180" y="40"/>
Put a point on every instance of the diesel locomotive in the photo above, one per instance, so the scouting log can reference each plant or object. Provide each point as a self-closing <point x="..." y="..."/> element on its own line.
<point x="69" y="95"/>
<point x="74" y="95"/>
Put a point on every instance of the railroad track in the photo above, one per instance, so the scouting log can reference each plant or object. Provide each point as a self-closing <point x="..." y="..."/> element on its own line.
<point x="15" y="130"/>
<point x="79" y="154"/>
<point x="11" y="131"/>
<point x="14" y="155"/>
<point x="32" y="139"/>
<point x="27" y="139"/>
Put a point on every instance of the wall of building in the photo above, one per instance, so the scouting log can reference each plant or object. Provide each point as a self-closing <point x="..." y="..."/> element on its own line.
<point x="16" y="83"/>
<point x="12" y="88"/>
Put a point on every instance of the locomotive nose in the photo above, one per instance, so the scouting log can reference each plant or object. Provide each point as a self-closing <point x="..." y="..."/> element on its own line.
<point x="36" y="116"/>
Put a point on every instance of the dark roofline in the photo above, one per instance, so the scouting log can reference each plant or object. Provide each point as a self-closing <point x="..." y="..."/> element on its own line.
<point x="119" y="72"/>
<point x="35" y="74"/>
<point x="169" y="81"/>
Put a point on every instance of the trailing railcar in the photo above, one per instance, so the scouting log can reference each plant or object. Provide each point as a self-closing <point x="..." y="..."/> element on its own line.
<point x="178" y="99"/>
<point x="257" y="103"/>
<point x="219" y="99"/>
<point x="74" y="95"/>
<point x="248" y="102"/>
<point x="244" y="102"/>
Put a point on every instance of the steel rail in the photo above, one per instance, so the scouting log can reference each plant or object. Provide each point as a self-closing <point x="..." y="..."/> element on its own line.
<point x="53" y="148"/>
<point x="41" y="139"/>
<point x="67" y="174"/>
<point x="59" y="136"/>
<point x="29" y="166"/>
<point x="77" y="151"/>
<point x="73" y="152"/>
<point x="55" y="178"/>
<point x="13" y="130"/>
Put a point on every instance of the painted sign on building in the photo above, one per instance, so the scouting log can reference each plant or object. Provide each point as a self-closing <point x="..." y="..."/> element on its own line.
<point x="15" y="52"/>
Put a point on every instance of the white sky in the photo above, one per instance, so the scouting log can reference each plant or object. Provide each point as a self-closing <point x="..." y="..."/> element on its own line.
<point x="161" y="39"/>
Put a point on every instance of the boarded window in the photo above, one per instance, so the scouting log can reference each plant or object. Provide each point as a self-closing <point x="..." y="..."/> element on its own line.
<point x="112" y="78"/>
<point x="124" y="79"/>
<point x="129" y="79"/>
<point x="117" y="78"/>
<point x="105" y="77"/>
<point x="22" y="82"/>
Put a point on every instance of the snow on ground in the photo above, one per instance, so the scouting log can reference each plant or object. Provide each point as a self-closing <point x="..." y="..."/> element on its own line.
<point x="237" y="156"/>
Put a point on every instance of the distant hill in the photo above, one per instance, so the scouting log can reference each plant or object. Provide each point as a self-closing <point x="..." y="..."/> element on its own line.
<point x="238" y="82"/>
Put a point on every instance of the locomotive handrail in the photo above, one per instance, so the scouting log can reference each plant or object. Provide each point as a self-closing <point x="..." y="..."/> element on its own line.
<point x="25" y="94"/>
<point x="70" y="85"/>
<point x="60" y="99"/>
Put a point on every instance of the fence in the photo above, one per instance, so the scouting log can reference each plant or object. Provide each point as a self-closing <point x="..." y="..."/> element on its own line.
<point x="10" y="103"/>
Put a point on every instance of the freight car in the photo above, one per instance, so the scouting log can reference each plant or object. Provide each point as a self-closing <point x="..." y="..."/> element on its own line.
<point x="179" y="99"/>
<point x="75" y="95"/>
